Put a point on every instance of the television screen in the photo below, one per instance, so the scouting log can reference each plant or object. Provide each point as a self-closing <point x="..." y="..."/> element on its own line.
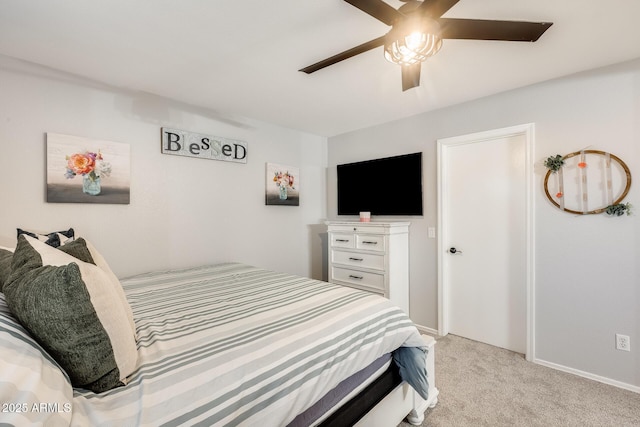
<point x="389" y="186"/>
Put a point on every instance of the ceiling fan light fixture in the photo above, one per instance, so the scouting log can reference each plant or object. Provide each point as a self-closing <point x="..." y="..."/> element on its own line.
<point x="416" y="34"/>
<point x="412" y="42"/>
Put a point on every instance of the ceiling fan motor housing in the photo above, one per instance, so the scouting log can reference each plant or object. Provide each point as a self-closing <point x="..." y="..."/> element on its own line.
<point x="412" y="40"/>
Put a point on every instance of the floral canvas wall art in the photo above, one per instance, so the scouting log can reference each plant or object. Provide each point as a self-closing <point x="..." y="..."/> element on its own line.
<point x="282" y="185"/>
<point x="84" y="170"/>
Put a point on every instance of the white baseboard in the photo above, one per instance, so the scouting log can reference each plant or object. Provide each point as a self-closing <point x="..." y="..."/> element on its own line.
<point x="428" y="331"/>
<point x="588" y="375"/>
<point x="584" y="374"/>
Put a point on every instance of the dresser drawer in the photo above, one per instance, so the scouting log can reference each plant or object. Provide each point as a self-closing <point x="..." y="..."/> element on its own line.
<point x="358" y="228"/>
<point x="355" y="259"/>
<point x="343" y="240"/>
<point x="371" y="281"/>
<point x="370" y="242"/>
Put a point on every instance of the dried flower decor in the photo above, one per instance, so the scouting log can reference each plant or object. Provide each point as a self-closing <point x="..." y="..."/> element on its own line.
<point x="554" y="163"/>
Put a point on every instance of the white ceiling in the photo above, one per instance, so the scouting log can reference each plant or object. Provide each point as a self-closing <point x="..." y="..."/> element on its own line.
<point x="240" y="58"/>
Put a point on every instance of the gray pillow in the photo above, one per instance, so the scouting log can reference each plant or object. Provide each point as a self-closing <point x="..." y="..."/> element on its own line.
<point x="5" y="266"/>
<point x="78" y="249"/>
<point x="73" y="310"/>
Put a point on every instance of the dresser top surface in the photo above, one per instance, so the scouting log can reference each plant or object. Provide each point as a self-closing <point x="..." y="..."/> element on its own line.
<point x="370" y="224"/>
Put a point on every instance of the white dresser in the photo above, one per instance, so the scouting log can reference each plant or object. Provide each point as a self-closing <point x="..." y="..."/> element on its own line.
<point x="372" y="256"/>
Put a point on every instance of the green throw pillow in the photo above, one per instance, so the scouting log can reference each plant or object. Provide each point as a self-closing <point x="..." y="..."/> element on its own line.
<point x="73" y="309"/>
<point x="78" y="249"/>
<point x="5" y="266"/>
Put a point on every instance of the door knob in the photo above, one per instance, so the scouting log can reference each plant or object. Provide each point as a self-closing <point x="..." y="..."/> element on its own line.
<point x="454" y="251"/>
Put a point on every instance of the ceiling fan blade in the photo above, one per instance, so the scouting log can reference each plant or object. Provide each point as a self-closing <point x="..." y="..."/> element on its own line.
<point x="436" y="8"/>
<point x="411" y="76"/>
<point x="344" y="55"/>
<point x="480" y="29"/>
<point x="378" y="9"/>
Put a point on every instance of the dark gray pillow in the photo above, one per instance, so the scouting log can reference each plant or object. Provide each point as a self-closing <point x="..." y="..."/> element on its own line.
<point x="78" y="249"/>
<point x="71" y="308"/>
<point x="5" y="266"/>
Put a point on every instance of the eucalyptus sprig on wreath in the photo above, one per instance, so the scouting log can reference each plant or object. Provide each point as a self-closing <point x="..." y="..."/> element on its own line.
<point x="619" y="209"/>
<point x="554" y="163"/>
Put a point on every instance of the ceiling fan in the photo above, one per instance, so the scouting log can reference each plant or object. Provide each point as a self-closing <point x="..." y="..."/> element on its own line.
<point x="417" y="31"/>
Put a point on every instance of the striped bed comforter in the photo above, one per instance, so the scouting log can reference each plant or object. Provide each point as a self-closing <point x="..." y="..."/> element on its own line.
<point x="232" y="344"/>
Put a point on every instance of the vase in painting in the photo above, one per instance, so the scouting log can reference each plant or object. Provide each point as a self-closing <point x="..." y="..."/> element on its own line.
<point x="91" y="186"/>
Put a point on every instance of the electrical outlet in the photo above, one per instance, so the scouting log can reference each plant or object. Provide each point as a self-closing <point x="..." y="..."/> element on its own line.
<point x="623" y="342"/>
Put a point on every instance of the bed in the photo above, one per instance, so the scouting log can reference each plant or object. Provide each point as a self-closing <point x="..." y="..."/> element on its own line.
<point x="232" y="344"/>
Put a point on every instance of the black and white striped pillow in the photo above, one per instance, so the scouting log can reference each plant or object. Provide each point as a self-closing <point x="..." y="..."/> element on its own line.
<point x="55" y="238"/>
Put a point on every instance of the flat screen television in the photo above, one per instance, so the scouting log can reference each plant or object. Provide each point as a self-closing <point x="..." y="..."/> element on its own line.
<point x="389" y="186"/>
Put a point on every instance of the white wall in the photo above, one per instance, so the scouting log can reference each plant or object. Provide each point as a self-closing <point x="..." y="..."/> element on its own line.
<point x="183" y="211"/>
<point x="587" y="276"/>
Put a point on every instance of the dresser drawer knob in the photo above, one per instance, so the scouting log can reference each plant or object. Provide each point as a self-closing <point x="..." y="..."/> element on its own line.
<point x="342" y="240"/>
<point x="367" y="242"/>
<point x="356" y="277"/>
<point x="356" y="259"/>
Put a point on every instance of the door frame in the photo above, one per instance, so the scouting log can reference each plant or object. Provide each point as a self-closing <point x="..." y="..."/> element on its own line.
<point x="443" y="146"/>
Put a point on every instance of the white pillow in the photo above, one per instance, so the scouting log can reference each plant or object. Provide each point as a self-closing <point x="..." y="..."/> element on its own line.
<point x="102" y="263"/>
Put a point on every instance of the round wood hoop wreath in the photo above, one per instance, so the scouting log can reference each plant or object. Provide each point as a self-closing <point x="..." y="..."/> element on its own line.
<point x="595" y="211"/>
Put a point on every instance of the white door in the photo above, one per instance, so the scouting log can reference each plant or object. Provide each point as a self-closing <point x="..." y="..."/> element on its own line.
<point x="484" y="236"/>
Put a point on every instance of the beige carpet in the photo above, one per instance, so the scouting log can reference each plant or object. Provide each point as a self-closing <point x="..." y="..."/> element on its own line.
<point x="481" y="385"/>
